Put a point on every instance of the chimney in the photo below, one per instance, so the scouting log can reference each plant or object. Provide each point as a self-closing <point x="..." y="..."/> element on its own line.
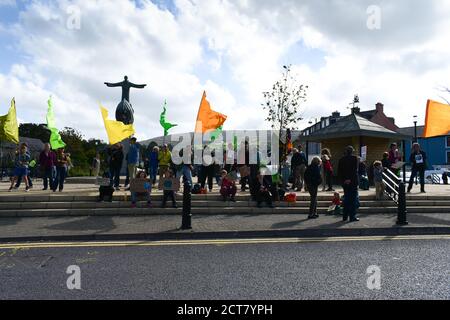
<point x="356" y="110"/>
<point x="380" y="107"/>
<point x="336" y="114"/>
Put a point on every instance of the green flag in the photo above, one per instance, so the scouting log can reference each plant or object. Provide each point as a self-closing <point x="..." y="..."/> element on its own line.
<point x="55" y="138"/>
<point x="9" y="128"/>
<point x="162" y="120"/>
<point x="216" y="133"/>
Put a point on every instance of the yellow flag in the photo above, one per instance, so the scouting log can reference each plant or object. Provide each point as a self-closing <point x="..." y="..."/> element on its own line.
<point x="117" y="131"/>
<point x="437" y="121"/>
<point x="9" y="127"/>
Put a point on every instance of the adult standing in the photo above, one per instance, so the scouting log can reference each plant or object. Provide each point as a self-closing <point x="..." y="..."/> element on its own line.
<point x="418" y="161"/>
<point x="164" y="159"/>
<point x="62" y="163"/>
<point x="327" y="170"/>
<point x="394" y="157"/>
<point x="133" y="158"/>
<point x="96" y="165"/>
<point x="115" y="164"/>
<point x="230" y="158"/>
<point x="298" y="167"/>
<point x="348" y="175"/>
<point x="313" y="179"/>
<point x="47" y="162"/>
<point x="153" y="163"/>
<point x="146" y="158"/>
<point x="207" y="171"/>
<point x="184" y="170"/>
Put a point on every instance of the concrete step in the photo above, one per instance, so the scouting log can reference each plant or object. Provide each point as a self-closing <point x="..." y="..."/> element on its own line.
<point x="158" y="196"/>
<point x="200" y="204"/>
<point x="142" y="210"/>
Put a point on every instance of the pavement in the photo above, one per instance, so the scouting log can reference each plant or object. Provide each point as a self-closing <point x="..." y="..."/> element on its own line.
<point x="338" y="269"/>
<point x="164" y="227"/>
<point x="160" y="227"/>
<point x="80" y="186"/>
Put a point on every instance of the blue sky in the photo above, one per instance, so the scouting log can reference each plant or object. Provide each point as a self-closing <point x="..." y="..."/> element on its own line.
<point x="234" y="50"/>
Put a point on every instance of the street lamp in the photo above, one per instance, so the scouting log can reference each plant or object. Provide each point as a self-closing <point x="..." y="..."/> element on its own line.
<point x="415" y="128"/>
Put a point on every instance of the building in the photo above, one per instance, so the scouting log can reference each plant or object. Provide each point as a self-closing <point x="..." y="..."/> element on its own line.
<point x="376" y="116"/>
<point x="356" y="131"/>
<point x="437" y="148"/>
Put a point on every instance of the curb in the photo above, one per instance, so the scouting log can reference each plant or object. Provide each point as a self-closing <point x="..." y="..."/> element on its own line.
<point x="192" y="235"/>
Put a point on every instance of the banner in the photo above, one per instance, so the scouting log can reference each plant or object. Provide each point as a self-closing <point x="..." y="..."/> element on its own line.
<point x="9" y="127"/>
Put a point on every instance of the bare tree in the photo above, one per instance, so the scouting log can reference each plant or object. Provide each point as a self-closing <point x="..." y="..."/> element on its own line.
<point x="283" y="103"/>
<point x="445" y="90"/>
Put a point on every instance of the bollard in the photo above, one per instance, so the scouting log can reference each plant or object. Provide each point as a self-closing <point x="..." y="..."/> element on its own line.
<point x="401" y="217"/>
<point x="187" y="199"/>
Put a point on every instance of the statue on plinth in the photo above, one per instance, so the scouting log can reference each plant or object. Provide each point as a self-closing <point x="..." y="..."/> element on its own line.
<point x="124" y="111"/>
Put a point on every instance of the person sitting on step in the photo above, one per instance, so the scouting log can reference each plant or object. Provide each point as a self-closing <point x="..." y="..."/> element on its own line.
<point x="147" y="194"/>
<point x="263" y="194"/>
<point x="228" y="187"/>
<point x="106" y="191"/>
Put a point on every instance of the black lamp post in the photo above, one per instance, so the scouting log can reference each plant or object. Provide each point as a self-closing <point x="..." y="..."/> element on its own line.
<point x="415" y="129"/>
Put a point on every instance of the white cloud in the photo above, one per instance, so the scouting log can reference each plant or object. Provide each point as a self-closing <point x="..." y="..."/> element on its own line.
<point x="232" y="49"/>
<point x="8" y="3"/>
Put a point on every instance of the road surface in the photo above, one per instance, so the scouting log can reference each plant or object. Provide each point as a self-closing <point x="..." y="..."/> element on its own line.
<point x="409" y="268"/>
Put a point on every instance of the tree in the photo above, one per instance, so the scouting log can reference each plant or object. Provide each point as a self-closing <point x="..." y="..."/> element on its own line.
<point x="284" y="101"/>
<point x="33" y="130"/>
<point x="445" y="90"/>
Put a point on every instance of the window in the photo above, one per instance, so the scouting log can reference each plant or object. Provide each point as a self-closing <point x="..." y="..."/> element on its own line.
<point x="448" y="142"/>
<point x="448" y="157"/>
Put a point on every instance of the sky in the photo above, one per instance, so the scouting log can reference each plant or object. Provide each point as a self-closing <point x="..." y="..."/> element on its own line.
<point x="394" y="52"/>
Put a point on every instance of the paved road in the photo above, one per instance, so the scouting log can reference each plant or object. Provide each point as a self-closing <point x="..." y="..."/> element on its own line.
<point x="411" y="268"/>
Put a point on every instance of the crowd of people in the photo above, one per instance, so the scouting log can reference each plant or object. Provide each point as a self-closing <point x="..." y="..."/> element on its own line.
<point x="54" y="166"/>
<point x="295" y="173"/>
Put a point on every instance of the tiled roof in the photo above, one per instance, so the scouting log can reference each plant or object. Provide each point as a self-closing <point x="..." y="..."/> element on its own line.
<point x="353" y="125"/>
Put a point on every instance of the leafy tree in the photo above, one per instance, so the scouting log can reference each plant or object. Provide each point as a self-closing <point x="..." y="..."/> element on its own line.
<point x="33" y="130"/>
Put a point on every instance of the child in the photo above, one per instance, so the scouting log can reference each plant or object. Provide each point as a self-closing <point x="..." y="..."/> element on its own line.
<point x="336" y="203"/>
<point x="378" y="179"/>
<point x="169" y="193"/>
<point x="105" y="191"/>
<point x="227" y="187"/>
<point x="21" y="169"/>
<point x="147" y="187"/>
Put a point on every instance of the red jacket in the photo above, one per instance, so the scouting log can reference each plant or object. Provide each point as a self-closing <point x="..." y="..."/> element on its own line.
<point x="328" y="166"/>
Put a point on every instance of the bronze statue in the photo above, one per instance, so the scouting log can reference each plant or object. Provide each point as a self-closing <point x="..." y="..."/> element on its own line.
<point x="124" y="111"/>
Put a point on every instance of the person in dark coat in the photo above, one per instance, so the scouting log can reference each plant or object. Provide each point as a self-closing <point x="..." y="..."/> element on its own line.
<point x="418" y="161"/>
<point x="262" y="187"/>
<point x="348" y="176"/>
<point x="298" y="167"/>
<point x="115" y="164"/>
<point x="313" y="179"/>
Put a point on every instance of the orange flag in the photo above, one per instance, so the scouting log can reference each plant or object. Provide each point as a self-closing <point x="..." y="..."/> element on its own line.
<point x="208" y="119"/>
<point x="437" y="121"/>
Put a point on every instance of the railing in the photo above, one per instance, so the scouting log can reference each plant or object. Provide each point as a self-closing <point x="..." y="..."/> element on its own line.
<point x="396" y="190"/>
<point x="435" y="178"/>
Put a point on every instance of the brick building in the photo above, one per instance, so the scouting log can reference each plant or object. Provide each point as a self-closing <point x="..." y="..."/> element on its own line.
<point x="357" y="131"/>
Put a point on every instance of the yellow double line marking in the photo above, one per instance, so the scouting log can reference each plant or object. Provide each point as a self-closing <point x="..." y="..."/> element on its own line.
<point x="48" y="245"/>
